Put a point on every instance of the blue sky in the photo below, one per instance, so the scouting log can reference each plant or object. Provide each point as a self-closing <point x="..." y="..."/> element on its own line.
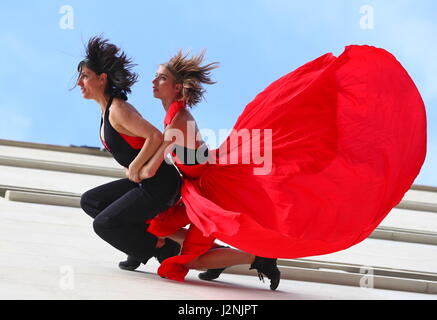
<point x="256" y="42"/>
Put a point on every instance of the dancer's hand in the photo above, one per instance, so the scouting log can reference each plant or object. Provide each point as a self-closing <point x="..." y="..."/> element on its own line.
<point x="133" y="172"/>
<point x="146" y="172"/>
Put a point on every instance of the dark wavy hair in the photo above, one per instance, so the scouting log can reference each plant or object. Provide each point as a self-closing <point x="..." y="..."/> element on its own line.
<point x="104" y="57"/>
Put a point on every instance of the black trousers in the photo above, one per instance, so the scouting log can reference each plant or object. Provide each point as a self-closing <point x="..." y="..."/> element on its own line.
<point x="120" y="209"/>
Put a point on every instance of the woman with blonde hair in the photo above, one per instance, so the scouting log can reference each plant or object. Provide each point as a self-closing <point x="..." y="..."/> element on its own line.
<point x="179" y="85"/>
<point x="338" y="161"/>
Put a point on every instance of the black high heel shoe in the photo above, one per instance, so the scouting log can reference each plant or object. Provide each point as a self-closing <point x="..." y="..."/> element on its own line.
<point x="211" y="274"/>
<point x="169" y="249"/>
<point x="130" y="264"/>
<point x="269" y="268"/>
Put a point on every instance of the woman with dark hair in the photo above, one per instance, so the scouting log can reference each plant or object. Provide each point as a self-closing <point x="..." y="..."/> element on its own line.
<point x="347" y="139"/>
<point x="120" y="208"/>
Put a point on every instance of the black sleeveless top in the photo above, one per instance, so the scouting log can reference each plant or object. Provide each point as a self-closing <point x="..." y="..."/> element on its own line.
<point x="189" y="156"/>
<point x="121" y="150"/>
<point x="163" y="187"/>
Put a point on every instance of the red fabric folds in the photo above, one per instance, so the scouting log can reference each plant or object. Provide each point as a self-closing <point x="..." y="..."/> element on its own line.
<point x="348" y="138"/>
<point x="195" y="244"/>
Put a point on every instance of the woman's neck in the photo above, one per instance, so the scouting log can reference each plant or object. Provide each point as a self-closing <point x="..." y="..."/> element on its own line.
<point x="166" y="103"/>
<point x="103" y="100"/>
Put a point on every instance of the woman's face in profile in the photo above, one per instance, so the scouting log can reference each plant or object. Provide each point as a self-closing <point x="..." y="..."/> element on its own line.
<point x="90" y="83"/>
<point x="164" y="86"/>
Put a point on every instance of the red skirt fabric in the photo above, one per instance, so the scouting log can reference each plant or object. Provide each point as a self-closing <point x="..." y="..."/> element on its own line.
<point x="195" y="244"/>
<point x="348" y="138"/>
<point x="168" y="222"/>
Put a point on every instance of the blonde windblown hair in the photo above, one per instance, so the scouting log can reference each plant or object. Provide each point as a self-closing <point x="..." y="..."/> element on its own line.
<point x="191" y="74"/>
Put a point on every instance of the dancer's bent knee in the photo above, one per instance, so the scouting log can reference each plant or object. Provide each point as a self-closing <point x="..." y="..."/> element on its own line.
<point x="89" y="205"/>
<point x="104" y="223"/>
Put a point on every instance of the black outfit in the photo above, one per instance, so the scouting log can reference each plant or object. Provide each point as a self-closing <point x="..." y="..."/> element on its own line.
<point x="191" y="157"/>
<point x="120" y="208"/>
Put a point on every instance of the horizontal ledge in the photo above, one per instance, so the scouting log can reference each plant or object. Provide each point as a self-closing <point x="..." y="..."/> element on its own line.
<point x="119" y="173"/>
<point x="102" y="152"/>
<point x="42" y="198"/>
<point x="73" y="200"/>
<point x="423" y="188"/>
<point x="418" y="206"/>
<point x="51" y="147"/>
<point x="365" y="279"/>
<point x="4" y="188"/>
<point x="61" y="166"/>
<point x="358" y="269"/>
<point x="405" y="235"/>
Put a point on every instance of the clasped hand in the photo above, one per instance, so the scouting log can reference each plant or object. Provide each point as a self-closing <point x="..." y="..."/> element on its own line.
<point x="137" y="174"/>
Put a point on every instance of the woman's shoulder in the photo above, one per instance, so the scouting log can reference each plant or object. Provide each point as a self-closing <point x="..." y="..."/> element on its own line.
<point x="122" y="115"/>
<point x="183" y="116"/>
<point x="184" y="121"/>
<point x="122" y="108"/>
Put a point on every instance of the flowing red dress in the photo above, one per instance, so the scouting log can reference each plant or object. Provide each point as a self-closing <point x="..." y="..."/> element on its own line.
<point x="348" y="138"/>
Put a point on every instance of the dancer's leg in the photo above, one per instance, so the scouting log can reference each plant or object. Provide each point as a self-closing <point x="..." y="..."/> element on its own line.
<point x="97" y="199"/>
<point x="226" y="257"/>
<point x="178" y="236"/>
<point x="221" y="258"/>
<point x="122" y="224"/>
